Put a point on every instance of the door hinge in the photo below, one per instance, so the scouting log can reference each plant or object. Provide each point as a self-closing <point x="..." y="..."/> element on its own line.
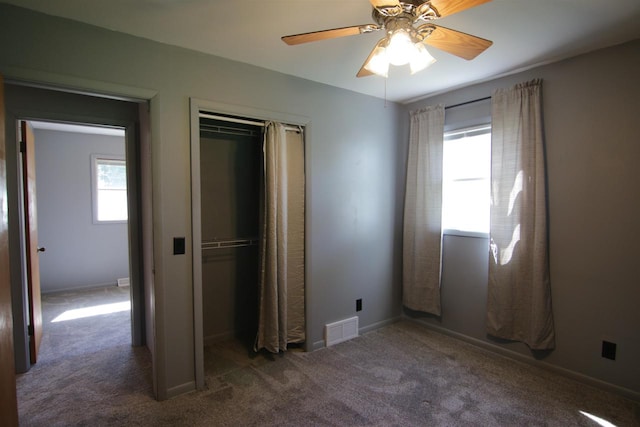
<point x="23" y="146"/>
<point x="31" y="331"/>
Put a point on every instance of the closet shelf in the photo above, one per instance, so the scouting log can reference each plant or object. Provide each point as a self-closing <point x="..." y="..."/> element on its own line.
<point x="229" y="243"/>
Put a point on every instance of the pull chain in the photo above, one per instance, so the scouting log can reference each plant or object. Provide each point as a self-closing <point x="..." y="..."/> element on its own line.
<point x="385" y="93"/>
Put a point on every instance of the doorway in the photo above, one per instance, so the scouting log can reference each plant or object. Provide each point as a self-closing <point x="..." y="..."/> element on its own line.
<point x="76" y="244"/>
<point x="80" y="204"/>
<point x="30" y="103"/>
<point x="210" y="123"/>
<point x="230" y="161"/>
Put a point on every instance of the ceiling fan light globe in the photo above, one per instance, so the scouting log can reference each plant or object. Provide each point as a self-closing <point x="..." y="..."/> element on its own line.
<point x="378" y="63"/>
<point x="401" y="48"/>
<point x="421" y="60"/>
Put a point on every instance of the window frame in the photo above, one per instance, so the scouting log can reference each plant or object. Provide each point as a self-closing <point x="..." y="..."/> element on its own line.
<point x="466" y="130"/>
<point x="95" y="158"/>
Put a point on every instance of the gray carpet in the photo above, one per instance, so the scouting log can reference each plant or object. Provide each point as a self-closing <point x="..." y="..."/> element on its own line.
<point x="400" y="375"/>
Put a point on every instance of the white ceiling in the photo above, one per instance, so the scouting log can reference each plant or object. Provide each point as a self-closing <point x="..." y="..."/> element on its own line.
<point x="525" y="33"/>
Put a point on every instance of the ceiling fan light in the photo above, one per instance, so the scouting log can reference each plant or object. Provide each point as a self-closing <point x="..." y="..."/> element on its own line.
<point x="421" y="59"/>
<point x="378" y="63"/>
<point x="401" y="48"/>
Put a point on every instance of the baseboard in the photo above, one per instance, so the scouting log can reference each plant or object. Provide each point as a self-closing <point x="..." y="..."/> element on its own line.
<point x="81" y="288"/>
<point x="379" y="325"/>
<point x="181" y="389"/>
<point x="585" y="379"/>
<point x="318" y="345"/>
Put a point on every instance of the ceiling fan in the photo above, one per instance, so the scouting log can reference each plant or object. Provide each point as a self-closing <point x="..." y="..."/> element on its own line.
<point x="409" y="26"/>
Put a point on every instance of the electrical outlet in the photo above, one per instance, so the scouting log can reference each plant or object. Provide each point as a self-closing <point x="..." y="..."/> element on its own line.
<point x="609" y="350"/>
<point x="359" y="304"/>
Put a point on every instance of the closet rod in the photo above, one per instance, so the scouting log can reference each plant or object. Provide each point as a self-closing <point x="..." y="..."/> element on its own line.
<point x="229" y="243"/>
<point x="230" y="119"/>
<point x="243" y="121"/>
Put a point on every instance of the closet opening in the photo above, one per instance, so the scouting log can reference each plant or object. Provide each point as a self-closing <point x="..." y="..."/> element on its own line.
<point x="248" y="199"/>
<point x="230" y="171"/>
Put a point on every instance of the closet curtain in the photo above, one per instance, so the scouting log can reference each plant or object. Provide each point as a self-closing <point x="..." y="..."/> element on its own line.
<point x="281" y="304"/>
<point x="422" y="239"/>
<point x="519" y="293"/>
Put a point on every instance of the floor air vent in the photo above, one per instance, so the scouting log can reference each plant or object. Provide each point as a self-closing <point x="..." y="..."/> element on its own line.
<point x="343" y="330"/>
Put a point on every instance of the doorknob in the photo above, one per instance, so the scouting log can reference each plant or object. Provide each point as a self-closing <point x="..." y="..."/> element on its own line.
<point x="42" y="249"/>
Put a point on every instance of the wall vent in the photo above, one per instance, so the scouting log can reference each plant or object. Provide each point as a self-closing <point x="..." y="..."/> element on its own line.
<point x="123" y="282"/>
<point x="343" y="330"/>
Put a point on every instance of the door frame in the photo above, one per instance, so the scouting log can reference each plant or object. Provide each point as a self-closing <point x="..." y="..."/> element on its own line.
<point x="32" y="111"/>
<point x="196" y="106"/>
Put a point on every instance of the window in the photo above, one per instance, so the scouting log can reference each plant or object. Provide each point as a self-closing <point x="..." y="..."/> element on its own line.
<point x="466" y="173"/>
<point x="109" y="189"/>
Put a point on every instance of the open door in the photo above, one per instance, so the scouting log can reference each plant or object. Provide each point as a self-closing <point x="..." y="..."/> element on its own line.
<point x="27" y="147"/>
<point x="8" y="400"/>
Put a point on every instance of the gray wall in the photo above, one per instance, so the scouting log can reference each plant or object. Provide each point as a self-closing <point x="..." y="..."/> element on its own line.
<point x="591" y="113"/>
<point x="79" y="253"/>
<point x="352" y="168"/>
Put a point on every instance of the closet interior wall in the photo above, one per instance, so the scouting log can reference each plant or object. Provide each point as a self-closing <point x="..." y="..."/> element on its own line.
<point x="230" y="178"/>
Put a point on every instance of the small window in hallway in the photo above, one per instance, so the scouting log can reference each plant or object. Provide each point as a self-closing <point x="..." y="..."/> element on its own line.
<point x="109" y="189"/>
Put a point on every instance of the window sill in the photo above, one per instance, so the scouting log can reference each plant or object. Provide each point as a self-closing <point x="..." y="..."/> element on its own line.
<point x="463" y="233"/>
<point x="117" y="221"/>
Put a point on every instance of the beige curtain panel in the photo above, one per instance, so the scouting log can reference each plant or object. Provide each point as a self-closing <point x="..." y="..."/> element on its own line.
<point x="281" y="317"/>
<point x="519" y="293"/>
<point x="422" y="238"/>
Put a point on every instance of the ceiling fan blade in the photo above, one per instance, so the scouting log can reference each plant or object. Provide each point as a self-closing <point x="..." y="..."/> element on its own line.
<point x="363" y="71"/>
<point x="387" y="7"/>
<point x="329" y="34"/>
<point x="449" y="7"/>
<point x="457" y="43"/>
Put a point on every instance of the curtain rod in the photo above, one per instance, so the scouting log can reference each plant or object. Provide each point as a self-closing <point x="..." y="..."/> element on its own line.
<point x="467" y="102"/>
<point x="243" y="121"/>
